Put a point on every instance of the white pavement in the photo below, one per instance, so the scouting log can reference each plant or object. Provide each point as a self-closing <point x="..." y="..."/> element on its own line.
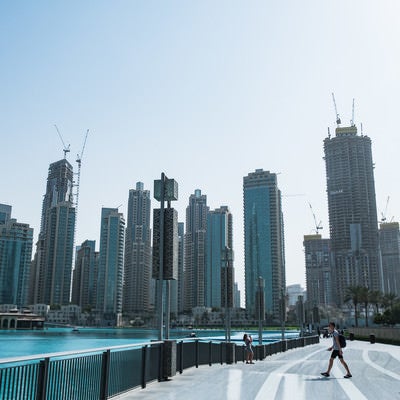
<point x="293" y="375"/>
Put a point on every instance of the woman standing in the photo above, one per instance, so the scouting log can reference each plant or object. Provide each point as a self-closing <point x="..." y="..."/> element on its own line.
<point x="248" y="340"/>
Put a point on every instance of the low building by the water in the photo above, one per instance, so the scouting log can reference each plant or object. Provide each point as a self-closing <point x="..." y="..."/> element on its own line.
<point x="20" y="320"/>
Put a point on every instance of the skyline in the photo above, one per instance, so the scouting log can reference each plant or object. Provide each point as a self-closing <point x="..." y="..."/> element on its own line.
<point x="204" y="92"/>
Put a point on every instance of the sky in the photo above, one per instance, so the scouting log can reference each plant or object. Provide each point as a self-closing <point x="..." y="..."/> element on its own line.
<point x="204" y="91"/>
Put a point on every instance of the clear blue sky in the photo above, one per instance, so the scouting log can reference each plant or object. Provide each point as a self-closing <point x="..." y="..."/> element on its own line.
<point x="206" y="91"/>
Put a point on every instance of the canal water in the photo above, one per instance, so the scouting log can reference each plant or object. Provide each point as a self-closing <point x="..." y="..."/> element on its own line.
<point x="54" y="340"/>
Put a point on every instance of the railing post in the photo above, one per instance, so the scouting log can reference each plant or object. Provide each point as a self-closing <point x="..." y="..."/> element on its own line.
<point x="160" y="362"/>
<point x="42" y="379"/>
<point x="209" y="353"/>
<point x="181" y="358"/>
<point x="105" y="367"/>
<point x="221" y="353"/>
<point x="144" y="355"/>
<point x="197" y="353"/>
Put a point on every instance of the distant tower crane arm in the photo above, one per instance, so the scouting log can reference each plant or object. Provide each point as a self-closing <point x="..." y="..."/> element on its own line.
<point x="338" y="121"/>
<point x="65" y="148"/>
<point x="318" y="226"/>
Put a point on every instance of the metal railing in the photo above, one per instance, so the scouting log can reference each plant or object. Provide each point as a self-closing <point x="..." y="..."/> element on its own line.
<point x="101" y="374"/>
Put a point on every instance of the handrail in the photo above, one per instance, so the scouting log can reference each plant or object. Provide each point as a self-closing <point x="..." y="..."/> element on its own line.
<point x="13" y="360"/>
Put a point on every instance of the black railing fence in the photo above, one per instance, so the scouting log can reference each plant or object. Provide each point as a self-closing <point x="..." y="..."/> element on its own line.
<point x="104" y="373"/>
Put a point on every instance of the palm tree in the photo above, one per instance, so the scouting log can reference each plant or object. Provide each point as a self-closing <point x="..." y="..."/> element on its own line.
<point x="388" y="300"/>
<point x="353" y="295"/>
<point x="364" y="294"/>
<point x="375" y="298"/>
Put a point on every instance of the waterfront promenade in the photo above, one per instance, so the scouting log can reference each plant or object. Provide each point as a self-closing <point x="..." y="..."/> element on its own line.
<point x="294" y="375"/>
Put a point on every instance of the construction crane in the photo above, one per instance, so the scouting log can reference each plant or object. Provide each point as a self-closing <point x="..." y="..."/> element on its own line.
<point x="78" y="180"/>
<point x="65" y="148"/>
<point x="338" y="121"/>
<point x="383" y="219"/>
<point x="318" y="226"/>
<point x="352" y="116"/>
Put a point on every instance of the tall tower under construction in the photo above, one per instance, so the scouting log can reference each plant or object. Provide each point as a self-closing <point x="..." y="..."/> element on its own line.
<point x="52" y="265"/>
<point x="352" y="211"/>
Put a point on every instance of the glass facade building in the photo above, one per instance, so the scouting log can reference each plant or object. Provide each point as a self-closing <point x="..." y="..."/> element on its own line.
<point x="389" y="242"/>
<point x="111" y="265"/>
<point x="84" y="288"/>
<point x="219" y="237"/>
<point x="264" y="242"/>
<point x="16" y="241"/>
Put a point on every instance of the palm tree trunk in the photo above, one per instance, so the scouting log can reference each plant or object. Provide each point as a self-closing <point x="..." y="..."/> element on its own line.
<point x="355" y="315"/>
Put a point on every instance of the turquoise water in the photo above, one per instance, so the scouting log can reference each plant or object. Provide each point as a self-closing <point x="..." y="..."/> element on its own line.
<point x="55" y="340"/>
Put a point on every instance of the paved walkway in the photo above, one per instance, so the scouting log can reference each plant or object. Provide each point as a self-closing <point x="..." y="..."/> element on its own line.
<point x="293" y="375"/>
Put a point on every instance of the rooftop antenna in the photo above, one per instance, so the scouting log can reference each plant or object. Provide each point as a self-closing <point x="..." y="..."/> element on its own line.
<point x="338" y="121"/>
<point x="318" y="226"/>
<point x="65" y="148"/>
<point x="361" y="130"/>
<point x="352" y="116"/>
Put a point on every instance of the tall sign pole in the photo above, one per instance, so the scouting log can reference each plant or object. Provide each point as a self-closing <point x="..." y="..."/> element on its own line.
<point x="165" y="242"/>
<point x="161" y="262"/>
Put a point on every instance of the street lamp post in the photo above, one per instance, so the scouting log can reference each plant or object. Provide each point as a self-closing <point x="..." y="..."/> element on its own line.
<point x="260" y="301"/>
<point x="227" y="289"/>
<point x="283" y="306"/>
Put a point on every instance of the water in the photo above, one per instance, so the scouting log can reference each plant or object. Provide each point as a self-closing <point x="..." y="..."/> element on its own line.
<point x="54" y="340"/>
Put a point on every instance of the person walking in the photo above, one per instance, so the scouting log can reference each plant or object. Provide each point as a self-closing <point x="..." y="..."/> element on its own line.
<point x="336" y="352"/>
<point x="248" y="340"/>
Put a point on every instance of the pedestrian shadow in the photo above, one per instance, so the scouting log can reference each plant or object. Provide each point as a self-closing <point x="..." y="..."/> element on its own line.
<point x="319" y="379"/>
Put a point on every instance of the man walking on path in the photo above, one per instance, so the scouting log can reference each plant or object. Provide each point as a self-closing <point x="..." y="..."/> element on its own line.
<point x="336" y="352"/>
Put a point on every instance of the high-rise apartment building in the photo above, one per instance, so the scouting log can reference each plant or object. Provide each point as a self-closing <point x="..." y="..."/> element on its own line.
<point x="264" y="242"/>
<point x="181" y="268"/>
<point x="195" y="240"/>
<point x="352" y="211"/>
<point x="137" y="268"/>
<point x="52" y="265"/>
<point x="15" y="258"/>
<point x="219" y="237"/>
<point x="111" y="266"/>
<point x="84" y="287"/>
<point x="389" y="243"/>
<point x="176" y="285"/>
<point x="5" y="213"/>
<point x="318" y="270"/>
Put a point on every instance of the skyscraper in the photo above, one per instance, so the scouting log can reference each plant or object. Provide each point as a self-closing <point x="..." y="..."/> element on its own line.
<point x="15" y="258"/>
<point x="264" y="242"/>
<point x="352" y="211"/>
<point x="52" y="265"/>
<point x="111" y="266"/>
<point x="318" y="271"/>
<point x="219" y="237"/>
<point x="137" y="268"/>
<point x="181" y="267"/>
<point x="84" y="288"/>
<point x="389" y="243"/>
<point x="195" y="239"/>
<point x="5" y="213"/>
